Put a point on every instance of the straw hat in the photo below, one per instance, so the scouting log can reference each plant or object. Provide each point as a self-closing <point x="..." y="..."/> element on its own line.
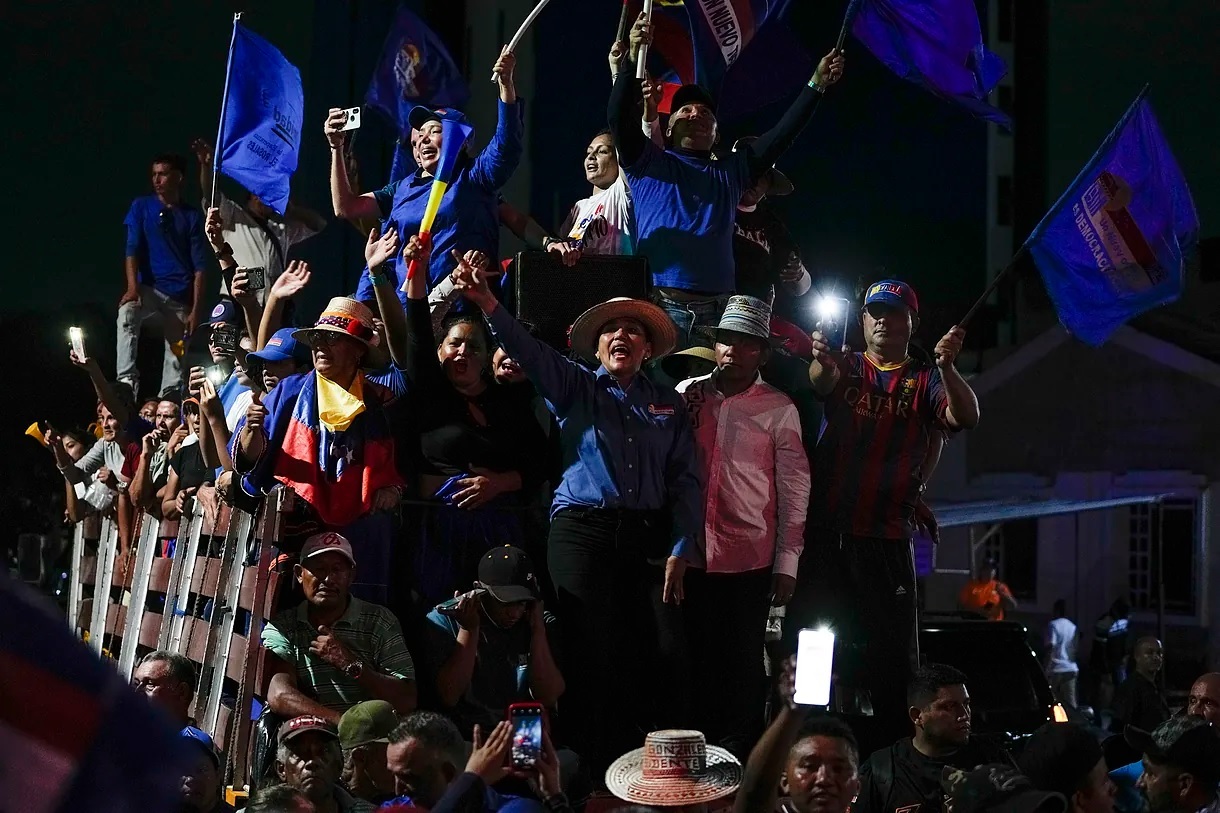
<point x="673" y="769"/>
<point x="343" y="315"/>
<point x="587" y="328"/>
<point x="693" y="362"/>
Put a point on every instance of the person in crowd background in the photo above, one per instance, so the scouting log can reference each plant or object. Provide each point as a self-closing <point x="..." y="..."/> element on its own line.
<point x="985" y="595"/>
<point x="308" y="758"/>
<point x="1062" y="639"/>
<point x="364" y="733"/>
<point x="1139" y="701"/>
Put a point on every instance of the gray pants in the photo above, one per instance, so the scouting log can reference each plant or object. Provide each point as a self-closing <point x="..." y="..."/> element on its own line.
<point x="1063" y="685"/>
<point x="155" y="305"/>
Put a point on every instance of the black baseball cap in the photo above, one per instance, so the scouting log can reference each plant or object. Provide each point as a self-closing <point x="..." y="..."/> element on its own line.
<point x="691" y="94"/>
<point x="1189" y="743"/>
<point x="508" y="575"/>
<point x="1059" y="757"/>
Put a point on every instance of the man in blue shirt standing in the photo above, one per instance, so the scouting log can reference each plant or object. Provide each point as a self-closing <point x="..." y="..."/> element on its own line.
<point x="685" y="199"/>
<point x="469" y="208"/>
<point x="166" y="252"/>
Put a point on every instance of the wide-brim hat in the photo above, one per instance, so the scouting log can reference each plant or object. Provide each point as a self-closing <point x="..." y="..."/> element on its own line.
<point x="675" y="768"/>
<point x="781" y="184"/>
<point x="662" y="333"/>
<point x="343" y="315"/>
<point x="748" y="315"/>
<point x="693" y="362"/>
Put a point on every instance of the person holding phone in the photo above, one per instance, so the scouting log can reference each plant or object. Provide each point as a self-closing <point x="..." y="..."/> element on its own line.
<point x="882" y="410"/>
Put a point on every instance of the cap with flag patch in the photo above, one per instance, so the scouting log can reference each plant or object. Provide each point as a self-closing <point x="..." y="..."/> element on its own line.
<point x="421" y="115"/>
<point x="329" y="542"/>
<point x="892" y="292"/>
<point x="282" y="347"/>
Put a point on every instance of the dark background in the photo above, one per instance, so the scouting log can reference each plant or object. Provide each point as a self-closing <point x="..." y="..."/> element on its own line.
<point x="889" y="179"/>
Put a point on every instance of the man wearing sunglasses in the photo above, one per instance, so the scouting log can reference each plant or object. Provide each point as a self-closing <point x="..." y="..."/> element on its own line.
<point x="883" y="411"/>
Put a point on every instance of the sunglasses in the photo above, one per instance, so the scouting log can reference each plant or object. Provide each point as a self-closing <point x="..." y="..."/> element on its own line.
<point x="324" y="338"/>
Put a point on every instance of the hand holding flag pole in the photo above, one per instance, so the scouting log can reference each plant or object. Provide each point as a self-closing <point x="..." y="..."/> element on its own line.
<point x="641" y="61"/>
<point x="529" y="20"/>
<point x="853" y="6"/>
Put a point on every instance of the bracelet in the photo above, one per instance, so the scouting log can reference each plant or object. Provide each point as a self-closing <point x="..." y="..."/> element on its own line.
<point x="813" y="83"/>
<point x="377" y="279"/>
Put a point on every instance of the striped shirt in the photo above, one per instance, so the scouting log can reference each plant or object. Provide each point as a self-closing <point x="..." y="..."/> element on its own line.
<point x="370" y="631"/>
<point x="875" y="434"/>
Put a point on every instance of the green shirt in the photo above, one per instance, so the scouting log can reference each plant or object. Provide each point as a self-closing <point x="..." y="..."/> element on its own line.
<point x="370" y="631"/>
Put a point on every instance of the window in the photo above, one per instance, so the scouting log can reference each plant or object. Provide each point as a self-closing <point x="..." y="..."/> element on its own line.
<point x="1170" y="529"/>
<point x="1014" y="549"/>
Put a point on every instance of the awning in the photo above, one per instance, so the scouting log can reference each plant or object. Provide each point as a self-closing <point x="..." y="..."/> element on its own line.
<point x="988" y="512"/>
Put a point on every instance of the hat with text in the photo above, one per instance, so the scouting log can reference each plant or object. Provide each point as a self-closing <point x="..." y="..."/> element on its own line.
<point x="370" y="721"/>
<point x="508" y="575"/>
<point x="328" y="542"/>
<point x="892" y="292"/>
<point x="675" y="768"/>
<point x="303" y="725"/>
<point x="1189" y="743"/>
<point x="282" y="347"/>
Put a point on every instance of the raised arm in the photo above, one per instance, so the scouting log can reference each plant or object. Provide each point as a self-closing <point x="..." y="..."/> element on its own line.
<point x="105" y="393"/>
<point x="962" y="405"/>
<point x="289" y="284"/>
<point x="764" y="152"/>
<point x="212" y="413"/>
<point x="499" y="159"/>
<point x="765" y="766"/>
<point x="379" y="254"/>
<point x="204" y="154"/>
<point x="626" y="106"/>
<point x="347" y="202"/>
<point x="824" y="370"/>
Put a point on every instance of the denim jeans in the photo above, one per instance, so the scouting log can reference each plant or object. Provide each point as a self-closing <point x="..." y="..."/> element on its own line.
<point x="687" y="316"/>
<point x="153" y="304"/>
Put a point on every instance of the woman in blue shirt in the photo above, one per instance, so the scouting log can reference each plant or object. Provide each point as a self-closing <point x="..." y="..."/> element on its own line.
<point x="625" y="521"/>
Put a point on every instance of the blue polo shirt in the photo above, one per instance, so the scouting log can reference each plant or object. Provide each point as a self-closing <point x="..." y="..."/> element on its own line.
<point x="685" y="207"/>
<point x="468" y="216"/>
<point x="168" y="243"/>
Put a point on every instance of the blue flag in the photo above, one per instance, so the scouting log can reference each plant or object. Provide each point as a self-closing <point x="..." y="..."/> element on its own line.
<point x="415" y="68"/>
<point x="1113" y="246"/>
<point x="937" y="44"/>
<point x="260" y="136"/>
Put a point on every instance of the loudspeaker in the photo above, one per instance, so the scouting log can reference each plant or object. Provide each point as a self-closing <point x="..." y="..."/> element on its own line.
<point x="550" y="296"/>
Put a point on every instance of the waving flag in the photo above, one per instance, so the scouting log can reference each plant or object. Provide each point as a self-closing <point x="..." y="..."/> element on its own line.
<point x="936" y="44"/>
<point x="260" y="132"/>
<point x="415" y="68"/>
<point x="1113" y="246"/>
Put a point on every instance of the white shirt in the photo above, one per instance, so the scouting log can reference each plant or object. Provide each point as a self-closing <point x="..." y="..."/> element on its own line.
<point x="755" y="474"/>
<point x="1061" y="647"/>
<point x="253" y="247"/>
<point x="604" y="221"/>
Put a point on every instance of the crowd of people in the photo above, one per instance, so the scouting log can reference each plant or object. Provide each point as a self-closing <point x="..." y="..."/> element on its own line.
<point x="476" y="518"/>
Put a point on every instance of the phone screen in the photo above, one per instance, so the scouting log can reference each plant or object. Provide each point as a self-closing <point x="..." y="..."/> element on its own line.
<point x="815" y="654"/>
<point x="527" y="735"/>
<point x="832" y="320"/>
<point x="77" y="337"/>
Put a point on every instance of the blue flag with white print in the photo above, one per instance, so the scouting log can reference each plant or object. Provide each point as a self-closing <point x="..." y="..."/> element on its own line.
<point x="1115" y="244"/>
<point x="261" y="133"/>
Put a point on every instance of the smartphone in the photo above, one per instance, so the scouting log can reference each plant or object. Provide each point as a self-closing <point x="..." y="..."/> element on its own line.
<point x="815" y="654"/>
<point x="832" y="320"/>
<point x="216" y="374"/>
<point x="77" y="337"/>
<point x="353" y="119"/>
<point x="527" y="734"/>
<point x="256" y="278"/>
<point x="225" y="338"/>
<point x="450" y="607"/>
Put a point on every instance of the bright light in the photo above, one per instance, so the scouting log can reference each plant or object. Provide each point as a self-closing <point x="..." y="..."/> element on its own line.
<point x="75" y="334"/>
<point x="828" y="308"/>
<point x="815" y="652"/>
<point x="1059" y="713"/>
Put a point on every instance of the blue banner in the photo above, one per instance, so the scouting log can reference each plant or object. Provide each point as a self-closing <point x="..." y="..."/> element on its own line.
<point x="260" y="137"/>
<point x="415" y="68"/>
<point x="936" y="44"/>
<point x="1113" y="246"/>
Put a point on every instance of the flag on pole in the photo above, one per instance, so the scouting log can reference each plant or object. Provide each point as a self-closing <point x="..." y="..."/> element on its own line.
<point x="415" y="68"/>
<point x="1113" y="246"/>
<point x="260" y="134"/>
<point x="936" y="44"/>
<point x="456" y="131"/>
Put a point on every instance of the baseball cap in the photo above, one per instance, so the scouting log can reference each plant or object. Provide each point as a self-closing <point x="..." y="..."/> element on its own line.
<point x="306" y="722"/>
<point x="892" y="292"/>
<point x="370" y="721"/>
<point x="691" y="94"/>
<point x="996" y="789"/>
<point x="200" y="739"/>
<point x="508" y="575"/>
<point x="328" y="542"/>
<point x="1059" y="756"/>
<point x="282" y="347"/>
<point x="1190" y="743"/>
<point x="420" y="115"/>
<point x="225" y="311"/>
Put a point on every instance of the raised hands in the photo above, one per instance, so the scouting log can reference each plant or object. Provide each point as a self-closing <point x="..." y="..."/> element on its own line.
<point x="291" y="282"/>
<point x="653" y="91"/>
<point x="240" y="290"/>
<point x="203" y="151"/>
<point x="502" y="72"/>
<point x="379" y="250"/>
<point x="213" y="226"/>
<point x="336" y="117"/>
<point x="830" y="69"/>
<point x="949" y="347"/>
<point x="489" y="759"/>
<point x="470" y="277"/>
<point x="641" y="34"/>
<point x="618" y="52"/>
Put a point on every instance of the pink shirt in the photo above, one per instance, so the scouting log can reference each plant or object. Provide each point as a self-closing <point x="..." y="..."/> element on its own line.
<point x="755" y="473"/>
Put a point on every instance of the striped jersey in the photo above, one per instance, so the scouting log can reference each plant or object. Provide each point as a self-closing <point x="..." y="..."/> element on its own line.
<point x="877" y="427"/>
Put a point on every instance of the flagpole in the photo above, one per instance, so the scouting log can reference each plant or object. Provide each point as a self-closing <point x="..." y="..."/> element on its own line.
<point x="624" y="21"/>
<point x="995" y="283"/>
<point x="853" y="6"/>
<point x="529" y="20"/>
<point x="224" y="103"/>
<point x="641" y="61"/>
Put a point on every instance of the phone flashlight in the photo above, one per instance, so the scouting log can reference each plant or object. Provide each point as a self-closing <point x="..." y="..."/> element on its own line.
<point x="216" y="375"/>
<point x="77" y="337"/>
<point x="815" y="653"/>
<point x="829" y="308"/>
<point x="832" y="319"/>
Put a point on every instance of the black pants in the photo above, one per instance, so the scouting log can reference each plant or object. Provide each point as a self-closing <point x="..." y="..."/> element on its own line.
<point x="624" y="651"/>
<point x="864" y="587"/>
<point x="726" y="625"/>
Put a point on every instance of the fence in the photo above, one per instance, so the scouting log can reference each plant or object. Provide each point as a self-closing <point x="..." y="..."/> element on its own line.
<point x="207" y="600"/>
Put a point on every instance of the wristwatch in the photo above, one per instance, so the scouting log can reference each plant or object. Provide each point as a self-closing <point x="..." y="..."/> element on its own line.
<point x="354" y="670"/>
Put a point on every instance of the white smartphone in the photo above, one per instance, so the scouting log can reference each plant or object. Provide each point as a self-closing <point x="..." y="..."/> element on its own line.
<point x="353" y="119"/>
<point x="815" y="655"/>
<point x="77" y="337"/>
